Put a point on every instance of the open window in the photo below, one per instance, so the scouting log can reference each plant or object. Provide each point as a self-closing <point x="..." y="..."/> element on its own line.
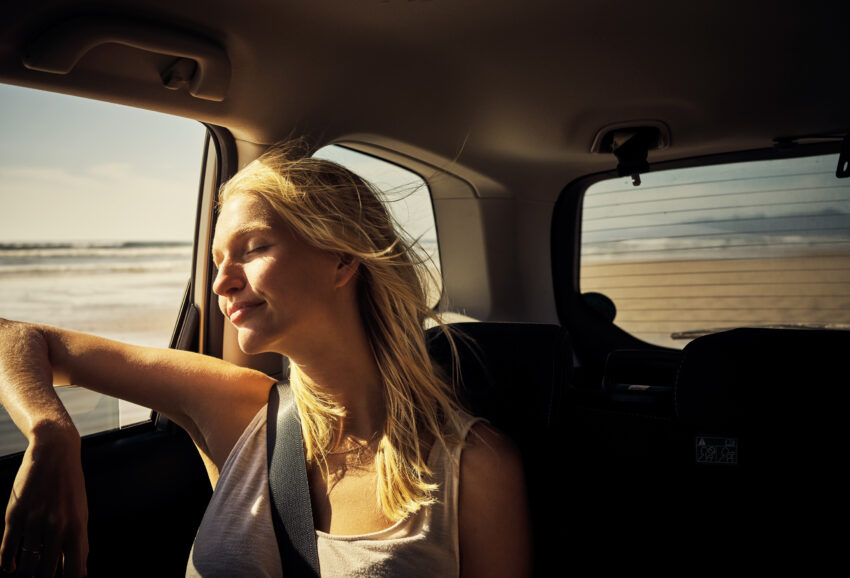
<point x="97" y="216"/>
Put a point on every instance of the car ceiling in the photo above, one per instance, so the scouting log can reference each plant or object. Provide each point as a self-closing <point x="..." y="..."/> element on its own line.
<point x="514" y="90"/>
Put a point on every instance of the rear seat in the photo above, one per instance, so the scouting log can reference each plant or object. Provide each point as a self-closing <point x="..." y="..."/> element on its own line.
<point x="776" y="391"/>
<point x="515" y="374"/>
<point x="745" y="455"/>
<point x="732" y="450"/>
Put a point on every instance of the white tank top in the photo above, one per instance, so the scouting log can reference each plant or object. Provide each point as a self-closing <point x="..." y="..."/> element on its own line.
<point x="236" y="536"/>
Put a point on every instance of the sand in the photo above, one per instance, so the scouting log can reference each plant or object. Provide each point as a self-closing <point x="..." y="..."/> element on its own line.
<point x="656" y="299"/>
<point x="136" y="308"/>
<point x="139" y="308"/>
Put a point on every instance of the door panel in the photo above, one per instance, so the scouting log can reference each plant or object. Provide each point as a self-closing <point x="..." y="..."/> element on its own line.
<point x="147" y="491"/>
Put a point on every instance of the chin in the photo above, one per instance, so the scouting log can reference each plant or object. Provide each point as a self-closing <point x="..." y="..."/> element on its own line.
<point x="254" y="342"/>
<point x="251" y="344"/>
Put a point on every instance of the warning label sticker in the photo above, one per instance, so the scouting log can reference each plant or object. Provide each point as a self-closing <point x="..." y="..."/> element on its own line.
<point x="716" y="450"/>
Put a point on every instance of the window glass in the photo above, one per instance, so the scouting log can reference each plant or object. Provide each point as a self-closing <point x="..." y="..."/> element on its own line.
<point x="97" y="213"/>
<point x="407" y="196"/>
<point x="699" y="250"/>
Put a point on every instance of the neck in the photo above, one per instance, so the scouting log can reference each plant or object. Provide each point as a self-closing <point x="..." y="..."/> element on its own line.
<point x="343" y="367"/>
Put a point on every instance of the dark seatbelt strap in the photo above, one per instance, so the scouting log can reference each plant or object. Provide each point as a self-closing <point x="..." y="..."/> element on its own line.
<point x="290" y="493"/>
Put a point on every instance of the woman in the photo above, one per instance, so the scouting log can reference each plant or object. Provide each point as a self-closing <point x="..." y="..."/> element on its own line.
<point x="309" y="266"/>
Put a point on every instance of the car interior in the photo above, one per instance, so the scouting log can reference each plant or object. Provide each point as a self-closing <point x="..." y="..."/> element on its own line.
<point x="532" y="123"/>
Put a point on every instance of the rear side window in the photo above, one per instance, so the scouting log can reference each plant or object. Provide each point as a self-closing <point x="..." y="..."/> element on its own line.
<point x="408" y="198"/>
<point x="698" y="250"/>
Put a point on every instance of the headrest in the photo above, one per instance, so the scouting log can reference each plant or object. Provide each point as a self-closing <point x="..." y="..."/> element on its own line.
<point x="511" y="373"/>
<point x="745" y="375"/>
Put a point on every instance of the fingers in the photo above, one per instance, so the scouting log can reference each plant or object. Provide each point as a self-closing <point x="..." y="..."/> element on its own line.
<point x="45" y="520"/>
<point x="29" y="560"/>
<point x="46" y="567"/>
<point x="9" y="546"/>
<point x="8" y="553"/>
<point x="75" y="559"/>
<point x="41" y="561"/>
<point x="22" y="554"/>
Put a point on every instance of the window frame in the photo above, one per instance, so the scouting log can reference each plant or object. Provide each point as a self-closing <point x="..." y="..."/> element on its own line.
<point x="475" y="284"/>
<point x="596" y="337"/>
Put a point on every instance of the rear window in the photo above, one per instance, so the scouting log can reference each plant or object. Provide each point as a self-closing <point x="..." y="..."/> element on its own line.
<point x="698" y="250"/>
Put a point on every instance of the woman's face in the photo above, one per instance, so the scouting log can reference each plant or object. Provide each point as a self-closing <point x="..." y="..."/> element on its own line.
<point x="277" y="290"/>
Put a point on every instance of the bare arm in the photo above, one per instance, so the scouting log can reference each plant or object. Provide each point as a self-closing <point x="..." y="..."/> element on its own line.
<point x="211" y="399"/>
<point x="493" y="520"/>
<point x="47" y="513"/>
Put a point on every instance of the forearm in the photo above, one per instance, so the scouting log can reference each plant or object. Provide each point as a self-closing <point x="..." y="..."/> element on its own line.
<point x="26" y="383"/>
<point x="137" y="374"/>
<point x="46" y="517"/>
<point x="213" y="400"/>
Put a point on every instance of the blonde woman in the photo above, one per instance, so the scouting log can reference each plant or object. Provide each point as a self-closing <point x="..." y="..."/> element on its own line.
<point x="402" y="481"/>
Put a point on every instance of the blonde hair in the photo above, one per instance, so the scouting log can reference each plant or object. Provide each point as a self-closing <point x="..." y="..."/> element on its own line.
<point x="335" y="210"/>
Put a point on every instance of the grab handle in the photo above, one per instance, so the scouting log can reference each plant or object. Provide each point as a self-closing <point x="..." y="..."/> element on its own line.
<point x="60" y="48"/>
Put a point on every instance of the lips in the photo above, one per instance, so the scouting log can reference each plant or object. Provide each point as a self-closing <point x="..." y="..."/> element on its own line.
<point x="237" y="311"/>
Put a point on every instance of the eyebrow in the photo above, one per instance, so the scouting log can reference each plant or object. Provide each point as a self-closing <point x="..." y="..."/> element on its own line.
<point x="240" y="232"/>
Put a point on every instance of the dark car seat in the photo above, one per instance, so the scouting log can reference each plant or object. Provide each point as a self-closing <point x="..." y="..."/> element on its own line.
<point x="514" y="374"/>
<point x="778" y="397"/>
<point x="743" y="466"/>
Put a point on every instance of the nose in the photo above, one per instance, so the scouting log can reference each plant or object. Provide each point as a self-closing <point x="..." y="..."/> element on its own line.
<point x="228" y="279"/>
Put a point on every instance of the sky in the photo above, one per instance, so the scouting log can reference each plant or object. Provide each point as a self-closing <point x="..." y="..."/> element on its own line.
<point x="404" y="192"/>
<point x="758" y="205"/>
<point x="73" y="169"/>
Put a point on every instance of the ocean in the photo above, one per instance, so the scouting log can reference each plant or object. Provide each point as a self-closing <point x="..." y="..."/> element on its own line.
<point x="129" y="291"/>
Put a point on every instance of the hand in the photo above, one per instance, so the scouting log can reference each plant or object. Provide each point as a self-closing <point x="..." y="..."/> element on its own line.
<point x="47" y="515"/>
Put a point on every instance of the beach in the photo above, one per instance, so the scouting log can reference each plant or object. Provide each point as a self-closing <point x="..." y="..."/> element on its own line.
<point x="128" y="291"/>
<point x="668" y="302"/>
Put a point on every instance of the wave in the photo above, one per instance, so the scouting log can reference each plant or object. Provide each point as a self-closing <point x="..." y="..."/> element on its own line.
<point x="9" y="251"/>
<point x="94" y="257"/>
<point x="128" y="249"/>
<point x="92" y="244"/>
<point x="713" y="247"/>
<point x="181" y="266"/>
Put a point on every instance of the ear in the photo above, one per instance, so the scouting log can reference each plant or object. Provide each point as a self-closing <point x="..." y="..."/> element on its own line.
<point x="346" y="269"/>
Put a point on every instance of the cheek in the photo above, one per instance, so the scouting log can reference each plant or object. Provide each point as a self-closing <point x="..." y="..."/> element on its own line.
<point x="269" y="281"/>
<point x="317" y="287"/>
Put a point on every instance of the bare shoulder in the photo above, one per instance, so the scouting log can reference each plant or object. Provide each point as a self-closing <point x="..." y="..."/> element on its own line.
<point x="488" y="450"/>
<point x="483" y="436"/>
<point x="492" y="506"/>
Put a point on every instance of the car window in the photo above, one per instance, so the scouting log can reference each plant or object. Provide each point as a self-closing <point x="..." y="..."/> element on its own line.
<point x="97" y="213"/>
<point x="698" y="250"/>
<point x="407" y="196"/>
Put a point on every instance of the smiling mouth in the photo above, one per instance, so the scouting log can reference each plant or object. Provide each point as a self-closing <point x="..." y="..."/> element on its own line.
<point x="238" y="311"/>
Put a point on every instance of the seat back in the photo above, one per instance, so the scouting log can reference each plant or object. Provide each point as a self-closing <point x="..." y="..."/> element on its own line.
<point x="743" y="465"/>
<point x="514" y="375"/>
<point x="779" y="392"/>
<point x="769" y="403"/>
